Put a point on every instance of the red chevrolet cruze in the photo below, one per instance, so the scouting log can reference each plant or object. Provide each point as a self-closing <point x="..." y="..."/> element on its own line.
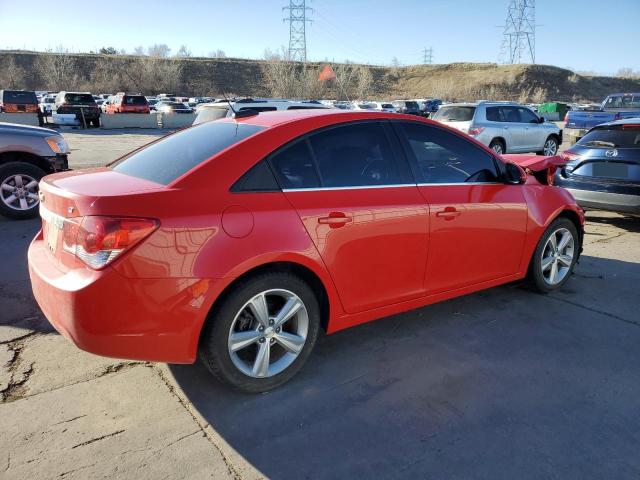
<point x="241" y="238"/>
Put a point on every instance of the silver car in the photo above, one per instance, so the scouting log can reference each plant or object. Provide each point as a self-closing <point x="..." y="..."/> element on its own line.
<point x="504" y="127"/>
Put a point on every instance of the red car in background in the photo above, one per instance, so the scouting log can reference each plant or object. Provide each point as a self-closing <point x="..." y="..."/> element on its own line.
<point x="241" y="238"/>
<point x="128" y="103"/>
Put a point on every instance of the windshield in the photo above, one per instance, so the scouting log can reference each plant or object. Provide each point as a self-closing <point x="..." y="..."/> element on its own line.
<point x="13" y="96"/>
<point x="622" y="101"/>
<point x="165" y="160"/>
<point x="620" y="136"/>
<point x="455" y="114"/>
<point x="79" y="98"/>
<point x="412" y="105"/>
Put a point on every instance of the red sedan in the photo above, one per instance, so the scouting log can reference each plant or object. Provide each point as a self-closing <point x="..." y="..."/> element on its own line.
<point x="241" y="238"/>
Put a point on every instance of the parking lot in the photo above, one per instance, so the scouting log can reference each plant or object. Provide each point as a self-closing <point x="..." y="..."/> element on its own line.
<point x="503" y="383"/>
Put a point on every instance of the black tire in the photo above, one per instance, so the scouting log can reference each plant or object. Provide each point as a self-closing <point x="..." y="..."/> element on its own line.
<point x="495" y="143"/>
<point x="10" y="169"/>
<point x="95" y="122"/>
<point x="214" y="349"/>
<point x="535" y="276"/>
<point x="550" y="138"/>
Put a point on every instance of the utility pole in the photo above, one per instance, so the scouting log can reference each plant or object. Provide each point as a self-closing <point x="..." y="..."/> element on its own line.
<point x="519" y="35"/>
<point x="297" y="19"/>
<point x="427" y="55"/>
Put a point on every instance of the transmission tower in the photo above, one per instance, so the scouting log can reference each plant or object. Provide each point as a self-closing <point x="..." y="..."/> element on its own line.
<point x="519" y="36"/>
<point x="297" y="29"/>
<point x="427" y="55"/>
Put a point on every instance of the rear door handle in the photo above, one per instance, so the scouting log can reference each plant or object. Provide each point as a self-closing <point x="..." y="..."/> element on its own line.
<point x="335" y="219"/>
<point x="449" y="213"/>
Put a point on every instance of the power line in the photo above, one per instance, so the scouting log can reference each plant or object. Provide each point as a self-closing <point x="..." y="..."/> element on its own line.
<point x="427" y="55"/>
<point x="297" y="29"/>
<point x="519" y="34"/>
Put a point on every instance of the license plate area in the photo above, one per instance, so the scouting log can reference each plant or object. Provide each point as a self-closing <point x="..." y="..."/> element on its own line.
<point x="610" y="170"/>
<point x="52" y="226"/>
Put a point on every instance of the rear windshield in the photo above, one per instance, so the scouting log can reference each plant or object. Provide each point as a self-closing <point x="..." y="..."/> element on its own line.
<point x="412" y="105"/>
<point x="79" y="98"/>
<point x="625" y="136"/>
<point x="455" y="114"/>
<point x="165" y="160"/>
<point x="14" y="96"/>
<point x="134" y="100"/>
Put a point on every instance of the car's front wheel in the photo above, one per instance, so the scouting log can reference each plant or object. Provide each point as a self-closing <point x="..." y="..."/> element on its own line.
<point x="555" y="256"/>
<point x="19" y="189"/>
<point x="262" y="332"/>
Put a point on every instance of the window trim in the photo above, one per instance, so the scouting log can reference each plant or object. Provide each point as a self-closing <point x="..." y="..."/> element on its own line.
<point x="417" y="172"/>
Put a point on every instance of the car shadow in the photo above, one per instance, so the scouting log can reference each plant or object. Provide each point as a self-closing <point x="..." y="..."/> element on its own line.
<point x="629" y="223"/>
<point x="504" y="383"/>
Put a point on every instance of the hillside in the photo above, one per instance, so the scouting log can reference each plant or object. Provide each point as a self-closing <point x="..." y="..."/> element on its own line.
<point x="191" y="76"/>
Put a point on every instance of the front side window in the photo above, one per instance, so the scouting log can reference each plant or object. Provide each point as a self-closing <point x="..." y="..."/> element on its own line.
<point x="356" y="155"/>
<point x="527" y="116"/>
<point x="443" y="157"/>
<point x="510" y="114"/>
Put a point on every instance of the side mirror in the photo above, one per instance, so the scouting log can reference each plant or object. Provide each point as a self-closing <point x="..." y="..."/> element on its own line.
<point x="542" y="120"/>
<point x="514" y="174"/>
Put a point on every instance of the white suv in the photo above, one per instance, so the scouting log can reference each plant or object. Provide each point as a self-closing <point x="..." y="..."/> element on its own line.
<point x="220" y="108"/>
<point x="503" y="126"/>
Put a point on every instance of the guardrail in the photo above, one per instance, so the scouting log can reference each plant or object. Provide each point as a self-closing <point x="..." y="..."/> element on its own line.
<point x="21" y="118"/>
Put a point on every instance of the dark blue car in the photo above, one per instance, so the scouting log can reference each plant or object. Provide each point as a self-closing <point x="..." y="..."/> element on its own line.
<point x="603" y="168"/>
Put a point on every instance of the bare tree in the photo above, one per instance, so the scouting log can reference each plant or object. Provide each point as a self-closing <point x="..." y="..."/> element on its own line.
<point x="158" y="50"/>
<point x="183" y="51"/>
<point x="217" y="54"/>
<point x="57" y="69"/>
<point x="627" y="73"/>
<point x="139" y="51"/>
<point x="12" y="75"/>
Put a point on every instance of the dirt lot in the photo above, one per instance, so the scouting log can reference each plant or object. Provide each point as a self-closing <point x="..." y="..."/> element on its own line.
<point x="504" y="383"/>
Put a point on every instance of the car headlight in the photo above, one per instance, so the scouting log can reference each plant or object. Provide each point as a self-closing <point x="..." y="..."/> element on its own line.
<point x="58" y="144"/>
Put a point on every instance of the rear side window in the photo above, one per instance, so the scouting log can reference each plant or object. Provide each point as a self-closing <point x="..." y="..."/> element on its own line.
<point x="165" y="160"/>
<point x="259" y="178"/>
<point x="494" y="114"/>
<point x="79" y="98"/>
<point x="294" y="166"/>
<point x="443" y="157"/>
<point x="455" y="114"/>
<point x="135" y="100"/>
<point x="357" y="155"/>
<point x="16" y="96"/>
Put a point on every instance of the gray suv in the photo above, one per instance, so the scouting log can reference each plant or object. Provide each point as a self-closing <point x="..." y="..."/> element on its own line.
<point x="504" y="127"/>
<point x="26" y="155"/>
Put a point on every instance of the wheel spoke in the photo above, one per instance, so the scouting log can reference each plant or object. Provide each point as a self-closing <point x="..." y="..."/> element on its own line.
<point x="18" y="180"/>
<point x="23" y="204"/>
<point x="564" y="241"/>
<point x="10" y="199"/>
<point x="240" y="340"/>
<point x="553" y="241"/>
<point x="258" y="307"/>
<point x="546" y="263"/>
<point x="32" y="196"/>
<point x="287" y="311"/>
<point x="261" y="364"/>
<point x="7" y="187"/>
<point x="292" y="343"/>
<point x="31" y="184"/>
<point x="565" y="260"/>
<point x="553" y="276"/>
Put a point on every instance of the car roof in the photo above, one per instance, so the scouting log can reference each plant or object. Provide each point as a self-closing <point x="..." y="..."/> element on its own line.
<point x="276" y="118"/>
<point x="624" y="121"/>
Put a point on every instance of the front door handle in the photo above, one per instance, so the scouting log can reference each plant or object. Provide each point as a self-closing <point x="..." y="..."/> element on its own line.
<point x="335" y="220"/>
<point x="449" y="213"/>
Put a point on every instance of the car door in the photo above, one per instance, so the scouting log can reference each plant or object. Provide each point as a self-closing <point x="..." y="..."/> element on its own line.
<point x="534" y="131"/>
<point x="515" y="127"/>
<point x="497" y="116"/>
<point x="477" y="223"/>
<point x="360" y="205"/>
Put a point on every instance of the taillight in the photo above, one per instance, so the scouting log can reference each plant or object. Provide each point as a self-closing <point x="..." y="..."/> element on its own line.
<point x="566" y="118"/>
<point x="473" y="131"/>
<point x="572" y="160"/>
<point x="98" y="241"/>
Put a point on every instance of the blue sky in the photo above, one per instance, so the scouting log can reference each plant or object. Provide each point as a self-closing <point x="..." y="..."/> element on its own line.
<point x="586" y="35"/>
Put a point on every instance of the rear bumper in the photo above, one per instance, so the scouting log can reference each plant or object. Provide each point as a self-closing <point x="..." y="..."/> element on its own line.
<point x="108" y="314"/>
<point x="614" y="202"/>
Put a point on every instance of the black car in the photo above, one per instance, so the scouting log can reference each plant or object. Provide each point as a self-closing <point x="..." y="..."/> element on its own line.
<point x="603" y="168"/>
<point x="409" y="107"/>
<point x="81" y="104"/>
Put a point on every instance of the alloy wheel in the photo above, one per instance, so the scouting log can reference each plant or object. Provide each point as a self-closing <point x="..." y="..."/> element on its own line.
<point x="557" y="256"/>
<point x="268" y="333"/>
<point x="497" y="148"/>
<point x="550" y="147"/>
<point x="19" y="192"/>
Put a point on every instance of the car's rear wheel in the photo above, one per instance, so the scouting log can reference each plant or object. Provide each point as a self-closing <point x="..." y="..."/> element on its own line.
<point x="550" y="147"/>
<point x="19" y="189"/>
<point x="262" y="332"/>
<point x="497" y="146"/>
<point x="555" y="256"/>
